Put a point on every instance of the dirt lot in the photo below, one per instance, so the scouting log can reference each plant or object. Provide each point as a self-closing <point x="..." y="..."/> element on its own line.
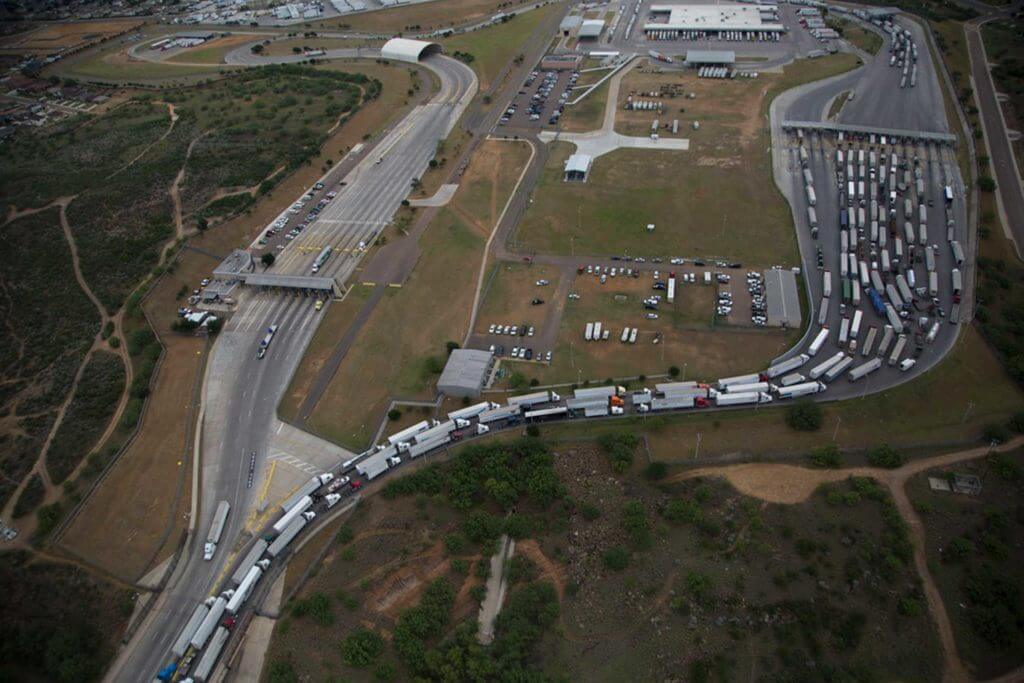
<point x="52" y="38"/>
<point x="975" y="538"/>
<point x="688" y="334"/>
<point x="383" y="364"/>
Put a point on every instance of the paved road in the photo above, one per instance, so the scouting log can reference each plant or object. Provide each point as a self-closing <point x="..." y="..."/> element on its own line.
<point x="242" y="392"/>
<point x="1007" y="174"/>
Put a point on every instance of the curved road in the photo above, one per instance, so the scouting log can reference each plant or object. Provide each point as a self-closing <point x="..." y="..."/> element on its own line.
<point x="241" y="392"/>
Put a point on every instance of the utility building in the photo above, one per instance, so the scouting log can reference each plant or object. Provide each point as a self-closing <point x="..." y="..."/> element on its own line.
<point x="577" y="166"/>
<point x="698" y="58"/>
<point x="466" y="373"/>
<point x="710" y="19"/>
<point x="591" y="29"/>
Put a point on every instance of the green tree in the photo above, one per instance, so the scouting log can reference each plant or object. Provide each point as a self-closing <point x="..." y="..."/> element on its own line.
<point x="361" y="648"/>
<point x="267" y="260"/>
<point x="394" y="414"/>
<point x="805" y="416"/>
<point x="885" y="456"/>
<point x="616" y="558"/>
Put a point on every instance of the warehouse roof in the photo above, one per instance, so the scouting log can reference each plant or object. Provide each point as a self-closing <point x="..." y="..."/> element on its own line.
<point x="465" y="373"/>
<point x="783" y="299"/>
<point x="710" y="56"/>
<point x="591" y="28"/>
<point x="570" y="22"/>
<point x="406" y="50"/>
<point x="710" y="18"/>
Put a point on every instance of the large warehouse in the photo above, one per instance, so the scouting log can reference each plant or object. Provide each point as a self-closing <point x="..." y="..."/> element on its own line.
<point x="711" y="19"/>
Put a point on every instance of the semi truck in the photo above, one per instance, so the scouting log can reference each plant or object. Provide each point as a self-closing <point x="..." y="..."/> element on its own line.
<point x="216" y="529"/>
<point x="293" y="513"/>
<point x="265" y="342"/>
<point x="472" y="411"/>
<point x="801" y="389"/>
<point x="746" y="398"/>
<point x="210" y="621"/>
<point x="823" y="367"/>
<point x="838" y="369"/>
<point x="251" y="558"/>
<point x="818" y="342"/>
<point x="787" y="366"/>
<point x="184" y="638"/>
<point x="724" y="382"/>
<point x="286" y="537"/>
<point x="864" y="369"/>
<point x="753" y="387"/>
<point x="321" y="259"/>
<point x="897" y="350"/>
<point x="205" y="666"/>
<point x="529" y="400"/>
<point x="246" y="588"/>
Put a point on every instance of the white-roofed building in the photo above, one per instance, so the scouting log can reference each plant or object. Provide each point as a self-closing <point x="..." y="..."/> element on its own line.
<point x="710" y="19"/>
<point x="591" y="29"/>
<point x="406" y="50"/>
<point x="577" y="166"/>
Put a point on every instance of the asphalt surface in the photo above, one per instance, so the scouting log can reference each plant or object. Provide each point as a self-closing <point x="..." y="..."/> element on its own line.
<point x="874" y="86"/>
<point x="242" y="391"/>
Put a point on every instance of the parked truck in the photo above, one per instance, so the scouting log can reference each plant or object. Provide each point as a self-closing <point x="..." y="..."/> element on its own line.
<point x="293" y="513"/>
<point x="787" y="366"/>
<point x="864" y="369"/>
<point x="897" y="350"/>
<point x="823" y="367"/>
<point x="838" y="369"/>
<point x="818" y="342"/>
<point x="216" y="529"/>
<point x="801" y="389"/>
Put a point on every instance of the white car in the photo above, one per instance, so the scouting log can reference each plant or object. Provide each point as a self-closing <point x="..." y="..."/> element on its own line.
<point x="541" y="283"/>
<point x="515" y="352"/>
<point x="529" y="332"/>
<point x="490" y="330"/>
<point x="547" y="356"/>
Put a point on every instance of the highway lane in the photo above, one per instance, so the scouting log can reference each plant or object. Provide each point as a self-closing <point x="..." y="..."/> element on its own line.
<point x="1007" y="175"/>
<point x="241" y="392"/>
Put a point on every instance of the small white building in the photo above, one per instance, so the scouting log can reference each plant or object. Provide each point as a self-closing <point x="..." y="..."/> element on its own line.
<point x="577" y="167"/>
<point x="407" y="50"/>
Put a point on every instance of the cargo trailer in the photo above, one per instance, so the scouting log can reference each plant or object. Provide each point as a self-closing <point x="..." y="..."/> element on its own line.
<point x="191" y="627"/>
<point x="787" y="365"/>
<point x="958" y="252"/>
<point x="545" y="413"/>
<point x="839" y="368"/>
<point x="512" y="412"/>
<point x="220" y="517"/>
<point x="791" y="379"/>
<point x="737" y="399"/>
<point x="897" y="349"/>
<point x="724" y="382"/>
<point x="823" y="367"/>
<point x="864" y="369"/>
<point x="251" y="558"/>
<point x="869" y="343"/>
<point x="958" y="282"/>
<point x="536" y="398"/>
<point x="286" y="537"/>
<point x="802" y="389"/>
<point x="823" y="311"/>
<point x="588" y="334"/>
<point x="209" y="623"/>
<point x="818" y="341"/>
<point x="244" y="590"/>
<point x="753" y="387"/>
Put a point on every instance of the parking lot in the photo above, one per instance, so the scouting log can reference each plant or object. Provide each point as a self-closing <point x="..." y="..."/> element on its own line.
<point x="541" y="99"/>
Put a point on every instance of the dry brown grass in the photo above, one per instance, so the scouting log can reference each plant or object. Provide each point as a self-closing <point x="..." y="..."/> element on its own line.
<point x="71" y="36"/>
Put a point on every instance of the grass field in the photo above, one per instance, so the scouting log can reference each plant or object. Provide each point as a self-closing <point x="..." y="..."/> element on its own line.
<point x="111" y="63"/>
<point x="977" y="391"/>
<point x="509" y="291"/>
<point x="717" y="199"/>
<point x="406" y="365"/>
<point x="975" y="559"/>
<point x="588" y="114"/>
<point x="855" y="34"/>
<point x="423" y="16"/>
<point x="56" y="37"/>
<point x="287" y="47"/>
<point x="493" y="48"/>
<point x="212" y="51"/>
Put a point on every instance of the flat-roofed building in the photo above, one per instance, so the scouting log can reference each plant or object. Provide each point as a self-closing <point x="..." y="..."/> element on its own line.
<point x="466" y="373"/>
<point x="782" y="298"/>
<point x="711" y="19"/>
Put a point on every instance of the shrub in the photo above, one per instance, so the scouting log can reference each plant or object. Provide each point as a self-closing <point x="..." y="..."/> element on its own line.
<point x="590" y="511"/>
<point x="317" y="606"/>
<point x="345" y="534"/>
<point x="636" y="524"/>
<point x="533" y="431"/>
<point x="361" y="648"/>
<point x="616" y="558"/>
<point x="681" y="511"/>
<point x="826" y="456"/>
<point x="995" y="433"/>
<point x="958" y="549"/>
<point x="885" y="456"/>
<point x="620" y="447"/>
<point x="1004" y="467"/>
<point x="656" y="470"/>
<point x="394" y="414"/>
<point x="804" y="416"/>
<point x="986" y="184"/>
